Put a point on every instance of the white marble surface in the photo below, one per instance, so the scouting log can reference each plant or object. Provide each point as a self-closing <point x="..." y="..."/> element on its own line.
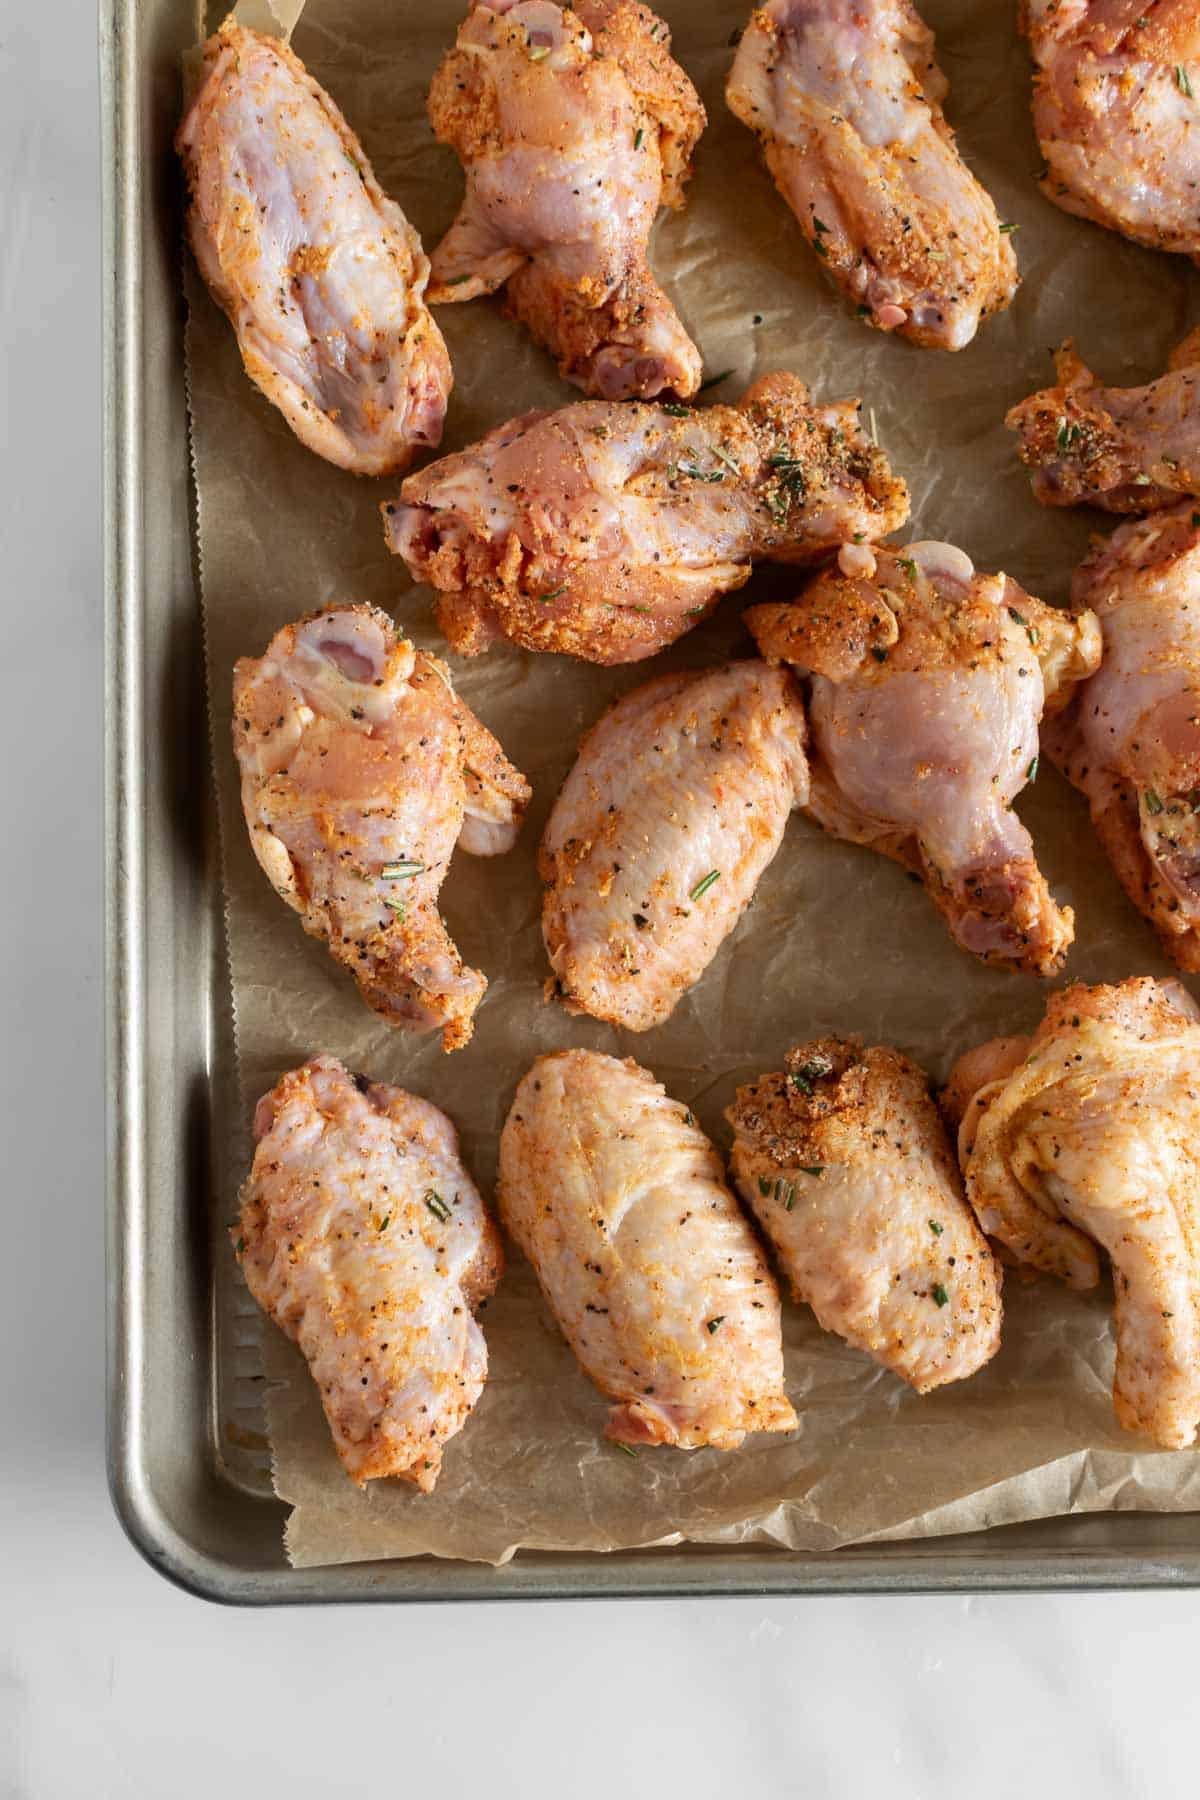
<point x="112" y="1683"/>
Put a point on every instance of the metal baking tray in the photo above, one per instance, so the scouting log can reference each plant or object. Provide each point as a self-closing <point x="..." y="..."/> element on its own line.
<point x="196" y="1500"/>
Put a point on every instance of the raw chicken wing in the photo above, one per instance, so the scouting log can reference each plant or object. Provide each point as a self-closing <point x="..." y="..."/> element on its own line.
<point x="676" y="805"/>
<point x="927" y="684"/>
<point x="657" y="1281"/>
<point x="1116" y="107"/>
<point x="607" y="531"/>
<point x="574" y="124"/>
<point x="322" y="276"/>
<point x="1131" y="740"/>
<point x="361" y="770"/>
<point x="1130" y="450"/>
<point x="844" y="1162"/>
<point x="365" y="1239"/>
<point x="1092" y="1138"/>
<point x="846" y="100"/>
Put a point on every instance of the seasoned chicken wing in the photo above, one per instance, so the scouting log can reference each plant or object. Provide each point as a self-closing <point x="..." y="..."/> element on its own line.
<point x="1131" y="740"/>
<point x="1130" y="450"/>
<point x="361" y="770"/>
<point x="927" y="684"/>
<point x="677" y="803"/>
<point x="1093" y="1138"/>
<point x="365" y="1239"/>
<point x="608" y="531"/>
<point x="657" y="1281"/>
<point x="844" y="1162"/>
<point x="574" y="124"/>
<point x="322" y="276"/>
<point x="846" y="100"/>
<point x="1115" y="99"/>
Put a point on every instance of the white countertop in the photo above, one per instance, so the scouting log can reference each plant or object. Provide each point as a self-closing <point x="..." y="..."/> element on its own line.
<point x="111" y="1682"/>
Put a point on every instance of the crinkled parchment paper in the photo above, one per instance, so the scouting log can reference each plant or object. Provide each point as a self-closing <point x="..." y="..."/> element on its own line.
<point x="836" y="939"/>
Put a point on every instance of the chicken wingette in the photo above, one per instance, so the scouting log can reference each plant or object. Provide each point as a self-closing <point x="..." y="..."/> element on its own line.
<point x="362" y="1235"/>
<point x="845" y="98"/>
<point x="321" y="275"/>
<point x="657" y="1281"/>
<point x="678" y="801"/>
<point x="843" y="1159"/>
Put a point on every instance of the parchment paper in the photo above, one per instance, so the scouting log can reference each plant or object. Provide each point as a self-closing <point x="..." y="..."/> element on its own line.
<point x="837" y="938"/>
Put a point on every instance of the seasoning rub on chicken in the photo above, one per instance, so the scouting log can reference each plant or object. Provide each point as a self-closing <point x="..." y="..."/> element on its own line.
<point x="322" y="276"/>
<point x="607" y="531"/>
<point x="658" y="1283"/>
<point x="845" y="98"/>
<point x="1086" y="1138"/>
<point x="365" y="1240"/>
<point x="927" y="681"/>
<point x="574" y="125"/>
<point x="843" y="1159"/>
<point x="361" y="770"/>
<point x="676" y="804"/>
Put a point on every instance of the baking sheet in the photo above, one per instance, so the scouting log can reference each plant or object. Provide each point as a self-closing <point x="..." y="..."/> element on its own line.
<point x="836" y="939"/>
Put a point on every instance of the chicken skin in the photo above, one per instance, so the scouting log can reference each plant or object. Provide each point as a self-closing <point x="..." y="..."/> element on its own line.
<point x="1115" y="99"/>
<point x="1092" y="1138"/>
<point x="677" y="803"/>
<point x="574" y="125"/>
<point x="322" y="276"/>
<point x="843" y="1160"/>
<point x="361" y="770"/>
<point x="927" y="683"/>
<point x="845" y="98"/>
<point x="657" y="1281"/>
<point x="365" y="1240"/>
<point x="608" y="531"/>
<point x="1129" y="450"/>
<point x="1131" y="741"/>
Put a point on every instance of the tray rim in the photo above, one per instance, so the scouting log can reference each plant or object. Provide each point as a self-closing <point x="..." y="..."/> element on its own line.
<point x="919" y="1566"/>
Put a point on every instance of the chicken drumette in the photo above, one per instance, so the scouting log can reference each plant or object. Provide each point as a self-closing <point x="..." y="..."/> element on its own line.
<point x="608" y="530"/>
<point x="657" y="1281"/>
<point x="365" y="1239"/>
<point x="1131" y="740"/>
<point x="843" y="1160"/>
<point x="927" y="684"/>
<point x="1129" y="450"/>
<point x="322" y="276"/>
<point x="676" y="805"/>
<point x="574" y="124"/>
<point x="361" y="770"/>
<point x="845" y="98"/>
<point x="1088" y="1135"/>
<point x="1115" y="102"/>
